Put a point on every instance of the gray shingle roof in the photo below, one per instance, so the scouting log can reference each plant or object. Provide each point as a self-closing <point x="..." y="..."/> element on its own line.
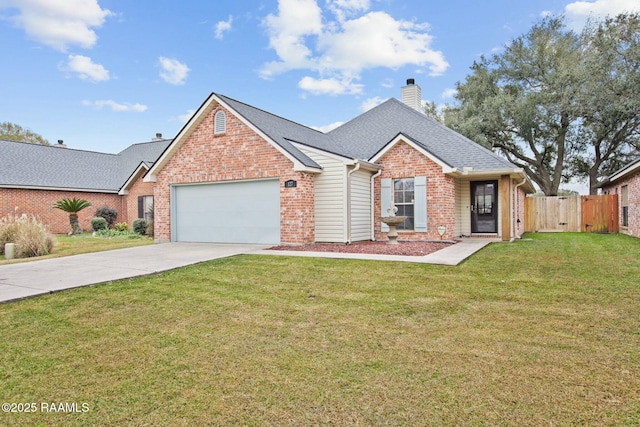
<point x="45" y="166"/>
<point x="364" y="136"/>
<point x="280" y="130"/>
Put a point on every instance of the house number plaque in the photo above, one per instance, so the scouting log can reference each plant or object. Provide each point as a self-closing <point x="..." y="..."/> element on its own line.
<point x="290" y="184"/>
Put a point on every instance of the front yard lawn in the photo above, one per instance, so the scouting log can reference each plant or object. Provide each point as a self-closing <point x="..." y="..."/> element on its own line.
<point x="82" y="244"/>
<point x="544" y="331"/>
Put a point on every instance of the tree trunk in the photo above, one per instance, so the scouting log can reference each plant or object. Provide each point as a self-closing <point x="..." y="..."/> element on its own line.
<point x="75" y="226"/>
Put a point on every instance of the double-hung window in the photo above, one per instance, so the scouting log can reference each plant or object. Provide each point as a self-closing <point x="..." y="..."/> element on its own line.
<point x="625" y="205"/>
<point x="403" y="199"/>
<point x="145" y="207"/>
<point x="409" y="195"/>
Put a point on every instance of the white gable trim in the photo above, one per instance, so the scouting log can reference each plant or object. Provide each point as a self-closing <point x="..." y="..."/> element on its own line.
<point x="198" y="117"/>
<point x="125" y="188"/>
<point x="627" y="170"/>
<point x="402" y="138"/>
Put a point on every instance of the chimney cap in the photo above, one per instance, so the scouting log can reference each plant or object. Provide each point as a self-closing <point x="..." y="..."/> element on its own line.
<point x="60" y="141"/>
<point x="158" y="135"/>
<point x="411" y="82"/>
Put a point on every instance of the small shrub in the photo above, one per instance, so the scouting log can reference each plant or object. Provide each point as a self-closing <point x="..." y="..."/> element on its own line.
<point x="30" y="235"/>
<point x="98" y="223"/>
<point x="140" y="226"/>
<point x="109" y="214"/>
<point x="121" y="226"/>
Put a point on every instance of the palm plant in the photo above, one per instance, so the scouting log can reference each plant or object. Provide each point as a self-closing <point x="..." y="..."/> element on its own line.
<point x="72" y="206"/>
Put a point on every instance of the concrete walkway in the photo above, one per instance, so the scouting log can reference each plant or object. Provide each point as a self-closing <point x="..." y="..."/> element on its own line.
<point x="41" y="277"/>
<point x="451" y="255"/>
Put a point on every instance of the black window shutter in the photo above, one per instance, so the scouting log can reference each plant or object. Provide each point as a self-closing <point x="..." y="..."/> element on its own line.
<point x="140" y="207"/>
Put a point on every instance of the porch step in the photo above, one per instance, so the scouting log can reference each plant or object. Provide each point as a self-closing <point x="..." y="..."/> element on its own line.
<point x="486" y="235"/>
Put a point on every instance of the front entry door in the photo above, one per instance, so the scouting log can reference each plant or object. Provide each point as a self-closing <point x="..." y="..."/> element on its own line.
<point x="484" y="207"/>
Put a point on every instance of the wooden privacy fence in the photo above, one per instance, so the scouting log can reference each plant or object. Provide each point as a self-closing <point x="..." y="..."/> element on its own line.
<point x="591" y="214"/>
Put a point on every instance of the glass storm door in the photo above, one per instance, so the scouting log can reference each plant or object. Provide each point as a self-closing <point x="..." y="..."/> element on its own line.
<point x="484" y="207"/>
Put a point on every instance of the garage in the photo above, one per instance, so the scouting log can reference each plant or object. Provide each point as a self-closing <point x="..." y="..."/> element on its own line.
<point x="228" y="212"/>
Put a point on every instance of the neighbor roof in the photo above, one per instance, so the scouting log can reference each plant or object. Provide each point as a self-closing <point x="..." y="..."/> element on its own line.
<point x="621" y="174"/>
<point x="26" y="165"/>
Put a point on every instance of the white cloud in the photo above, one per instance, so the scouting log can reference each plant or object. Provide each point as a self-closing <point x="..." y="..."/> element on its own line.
<point x="388" y="83"/>
<point x="115" y="106"/>
<point x="184" y="118"/>
<point x="296" y="20"/>
<point x="370" y="103"/>
<point x="340" y="49"/>
<point x="173" y="71"/>
<point x="87" y="69"/>
<point x="449" y="93"/>
<point x="327" y="128"/>
<point x="329" y="86"/>
<point x="59" y="23"/>
<point x="579" y="12"/>
<point x="222" y="27"/>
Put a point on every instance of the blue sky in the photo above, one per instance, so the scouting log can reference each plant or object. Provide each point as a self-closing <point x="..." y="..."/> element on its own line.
<point x="103" y="74"/>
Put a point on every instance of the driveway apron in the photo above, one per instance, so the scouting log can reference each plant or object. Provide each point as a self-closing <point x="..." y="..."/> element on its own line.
<point x="40" y="277"/>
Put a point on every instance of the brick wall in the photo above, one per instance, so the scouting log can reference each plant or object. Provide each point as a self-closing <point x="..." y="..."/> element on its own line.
<point x="403" y="161"/>
<point x="130" y="201"/>
<point x="40" y="202"/>
<point x="239" y="154"/>
<point x="633" y="183"/>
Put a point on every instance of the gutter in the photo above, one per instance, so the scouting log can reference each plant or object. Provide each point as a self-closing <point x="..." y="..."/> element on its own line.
<point x="373" y="205"/>
<point x="349" y="201"/>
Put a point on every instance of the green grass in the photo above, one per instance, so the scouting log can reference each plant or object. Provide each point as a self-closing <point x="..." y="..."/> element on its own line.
<point x="544" y="331"/>
<point x="82" y="244"/>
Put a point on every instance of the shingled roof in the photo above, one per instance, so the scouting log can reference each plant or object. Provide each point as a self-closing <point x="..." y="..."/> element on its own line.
<point x="366" y="135"/>
<point x="26" y="165"/>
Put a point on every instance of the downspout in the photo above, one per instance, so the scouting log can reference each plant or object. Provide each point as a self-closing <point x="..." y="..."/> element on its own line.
<point x="373" y="204"/>
<point x="517" y="236"/>
<point x="349" y="201"/>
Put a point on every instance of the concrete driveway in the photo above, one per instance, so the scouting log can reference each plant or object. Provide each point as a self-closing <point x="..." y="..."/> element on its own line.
<point x="42" y="277"/>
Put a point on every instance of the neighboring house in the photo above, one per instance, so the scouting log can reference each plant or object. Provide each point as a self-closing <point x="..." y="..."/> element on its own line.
<point x="626" y="184"/>
<point x="235" y="173"/>
<point x="33" y="177"/>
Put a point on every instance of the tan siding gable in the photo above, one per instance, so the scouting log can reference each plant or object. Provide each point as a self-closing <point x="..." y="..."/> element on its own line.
<point x="360" y="206"/>
<point x="330" y="197"/>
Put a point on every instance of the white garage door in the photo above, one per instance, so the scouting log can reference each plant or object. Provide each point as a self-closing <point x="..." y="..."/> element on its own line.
<point x="230" y="212"/>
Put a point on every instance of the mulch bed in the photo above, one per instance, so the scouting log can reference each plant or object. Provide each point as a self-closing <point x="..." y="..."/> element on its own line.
<point x="368" y="247"/>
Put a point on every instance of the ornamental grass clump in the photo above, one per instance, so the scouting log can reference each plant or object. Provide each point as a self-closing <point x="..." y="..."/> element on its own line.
<point x="29" y="234"/>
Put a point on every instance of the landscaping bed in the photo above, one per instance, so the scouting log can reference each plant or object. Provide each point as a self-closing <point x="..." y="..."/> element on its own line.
<point x="368" y="247"/>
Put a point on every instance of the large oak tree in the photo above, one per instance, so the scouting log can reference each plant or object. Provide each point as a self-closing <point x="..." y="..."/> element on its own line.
<point x="558" y="104"/>
<point x="13" y="132"/>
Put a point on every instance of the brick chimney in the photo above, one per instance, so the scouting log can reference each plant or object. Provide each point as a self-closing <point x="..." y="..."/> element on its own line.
<point x="412" y="95"/>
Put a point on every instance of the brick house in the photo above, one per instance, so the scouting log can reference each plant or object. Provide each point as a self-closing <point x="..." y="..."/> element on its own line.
<point x="626" y="184"/>
<point x="236" y="173"/>
<point x="33" y="177"/>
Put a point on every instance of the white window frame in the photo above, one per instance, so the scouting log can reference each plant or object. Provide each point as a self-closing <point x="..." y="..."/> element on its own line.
<point x="401" y="200"/>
